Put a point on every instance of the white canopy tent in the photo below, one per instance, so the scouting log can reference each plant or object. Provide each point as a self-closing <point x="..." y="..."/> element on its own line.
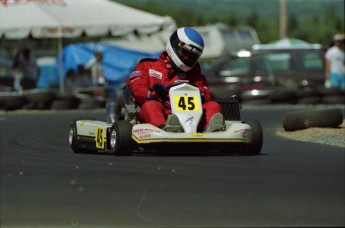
<point x="287" y="43"/>
<point x="20" y="19"/>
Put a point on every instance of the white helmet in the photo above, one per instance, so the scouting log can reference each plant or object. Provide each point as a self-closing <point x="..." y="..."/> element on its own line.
<point x="184" y="47"/>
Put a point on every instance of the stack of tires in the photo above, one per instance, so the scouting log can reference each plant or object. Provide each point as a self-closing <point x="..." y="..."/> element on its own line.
<point x="305" y="95"/>
<point x="50" y="99"/>
<point x="332" y="95"/>
<point x="38" y="99"/>
<point x="325" y="118"/>
<point x="11" y="101"/>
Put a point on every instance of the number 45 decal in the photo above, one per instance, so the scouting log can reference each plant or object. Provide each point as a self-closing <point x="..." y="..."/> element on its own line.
<point x="100" y="137"/>
<point x="186" y="103"/>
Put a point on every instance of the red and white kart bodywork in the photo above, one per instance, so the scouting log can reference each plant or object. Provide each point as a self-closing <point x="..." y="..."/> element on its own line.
<point x="125" y="134"/>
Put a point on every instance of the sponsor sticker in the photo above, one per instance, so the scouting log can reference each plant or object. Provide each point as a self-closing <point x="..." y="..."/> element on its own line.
<point x="197" y="134"/>
<point x="190" y="48"/>
<point x="146" y="136"/>
<point x="144" y="131"/>
<point x="182" y="80"/>
<point x="136" y="73"/>
<point x="246" y="133"/>
<point x="155" y="74"/>
<point x="188" y="120"/>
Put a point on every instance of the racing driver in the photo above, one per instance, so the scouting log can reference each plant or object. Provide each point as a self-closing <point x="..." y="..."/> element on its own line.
<point x="179" y="62"/>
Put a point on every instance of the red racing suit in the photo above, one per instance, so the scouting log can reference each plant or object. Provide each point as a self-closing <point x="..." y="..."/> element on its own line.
<point x="151" y="71"/>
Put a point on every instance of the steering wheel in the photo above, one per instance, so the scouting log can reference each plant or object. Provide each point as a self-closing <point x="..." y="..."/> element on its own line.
<point x="163" y="102"/>
<point x="176" y="84"/>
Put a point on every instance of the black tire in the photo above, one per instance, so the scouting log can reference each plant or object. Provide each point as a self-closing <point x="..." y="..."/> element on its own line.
<point x="73" y="138"/>
<point x="259" y="101"/>
<point x="91" y="103"/>
<point x="38" y="95"/>
<point x="62" y="105"/>
<point x="283" y="97"/>
<point x="313" y="118"/>
<point x="309" y="100"/>
<point x="330" y="91"/>
<point x="71" y="100"/>
<point x="306" y="92"/>
<point x="255" y="146"/>
<point x="12" y="102"/>
<point x="74" y="141"/>
<point x="335" y="99"/>
<point x="123" y="144"/>
<point x="40" y="99"/>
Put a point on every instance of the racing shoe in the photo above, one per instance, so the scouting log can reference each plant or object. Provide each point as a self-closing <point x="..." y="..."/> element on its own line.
<point x="173" y="124"/>
<point x="216" y="123"/>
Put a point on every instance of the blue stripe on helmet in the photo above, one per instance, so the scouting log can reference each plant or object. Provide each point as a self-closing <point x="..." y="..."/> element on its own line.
<point x="194" y="36"/>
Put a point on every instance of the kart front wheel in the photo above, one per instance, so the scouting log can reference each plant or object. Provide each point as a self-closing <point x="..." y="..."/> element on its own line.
<point x="121" y="141"/>
<point x="72" y="139"/>
<point x="255" y="145"/>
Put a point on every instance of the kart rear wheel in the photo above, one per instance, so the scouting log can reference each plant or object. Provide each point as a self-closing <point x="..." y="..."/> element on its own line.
<point x="121" y="141"/>
<point x="255" y="146"/>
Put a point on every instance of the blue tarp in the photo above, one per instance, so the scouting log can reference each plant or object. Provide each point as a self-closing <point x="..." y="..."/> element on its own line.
<point x="118" y="62"/>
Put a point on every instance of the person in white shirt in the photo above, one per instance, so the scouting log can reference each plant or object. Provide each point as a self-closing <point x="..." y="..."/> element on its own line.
<point x="96" y="70"/>
<point x="335" y="69"/>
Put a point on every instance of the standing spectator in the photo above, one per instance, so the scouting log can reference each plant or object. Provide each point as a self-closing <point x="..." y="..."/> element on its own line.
<point x="96" y="70"/>
<point x="71" y="81"/>
<point x="335" y="69"/>
<point x="25" y="70"/>
<point x="17" y="76"/>
<point x="84" y="77"/>
<point x="76" y="79"/>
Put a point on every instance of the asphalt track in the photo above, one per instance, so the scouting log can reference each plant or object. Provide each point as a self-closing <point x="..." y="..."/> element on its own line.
<point x="44" y="184"/>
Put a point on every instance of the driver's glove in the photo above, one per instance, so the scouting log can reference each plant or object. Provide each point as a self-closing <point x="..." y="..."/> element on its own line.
<point x="160" y="91"/>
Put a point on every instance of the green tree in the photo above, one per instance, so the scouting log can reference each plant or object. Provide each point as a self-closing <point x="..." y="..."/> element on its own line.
<point x="292" y="24"/>
<point x="232" y="20"/>
<point x="253" y="19"/>
<point x="267" y="30"/>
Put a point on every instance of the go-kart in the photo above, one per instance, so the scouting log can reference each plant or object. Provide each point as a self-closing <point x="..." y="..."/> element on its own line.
<point x="123" y="133"/>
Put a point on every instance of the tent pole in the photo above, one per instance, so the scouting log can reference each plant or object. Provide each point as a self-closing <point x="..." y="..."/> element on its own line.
<point x="60" y="65"/>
